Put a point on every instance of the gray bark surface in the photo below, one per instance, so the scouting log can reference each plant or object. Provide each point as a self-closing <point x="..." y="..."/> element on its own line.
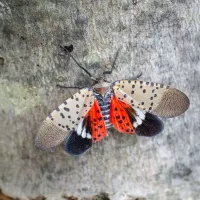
<point x="160" y="38"/>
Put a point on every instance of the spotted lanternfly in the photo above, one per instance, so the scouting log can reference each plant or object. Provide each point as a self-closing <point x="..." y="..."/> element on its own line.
<point x="130" y="106"/>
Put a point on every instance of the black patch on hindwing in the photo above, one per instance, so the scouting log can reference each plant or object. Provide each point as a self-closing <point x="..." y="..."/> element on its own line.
<point x="76" y="144"/>
<point x="150" y="126"/>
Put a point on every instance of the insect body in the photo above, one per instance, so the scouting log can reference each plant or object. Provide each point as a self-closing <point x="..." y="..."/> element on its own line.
<point x="130" y="106"/>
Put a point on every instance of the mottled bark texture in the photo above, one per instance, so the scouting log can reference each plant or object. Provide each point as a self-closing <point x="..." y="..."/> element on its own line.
<point x="160" y="38"/>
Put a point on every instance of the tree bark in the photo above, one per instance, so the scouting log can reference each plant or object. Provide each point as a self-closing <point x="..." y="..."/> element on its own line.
<point x="160" y="38"/>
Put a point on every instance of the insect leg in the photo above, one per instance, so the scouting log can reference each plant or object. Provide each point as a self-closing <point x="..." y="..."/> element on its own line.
<point x="66" y="87"/>
<point x="68" y="50"/>
<point x="113" y="63"/>
<point x="137" y="76"/>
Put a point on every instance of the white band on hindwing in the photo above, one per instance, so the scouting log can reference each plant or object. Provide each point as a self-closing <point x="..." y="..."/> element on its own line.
<point x="139" y="117"/>
<point x="81" y="130"/>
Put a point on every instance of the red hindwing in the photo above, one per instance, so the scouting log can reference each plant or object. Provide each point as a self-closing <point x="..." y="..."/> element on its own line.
<point x="119" y="116"/>
<point x="97" y="123"/>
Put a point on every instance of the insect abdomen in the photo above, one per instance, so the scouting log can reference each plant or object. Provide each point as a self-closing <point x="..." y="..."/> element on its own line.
<point x="104" y="104"/>
<point x="105" y="109"/>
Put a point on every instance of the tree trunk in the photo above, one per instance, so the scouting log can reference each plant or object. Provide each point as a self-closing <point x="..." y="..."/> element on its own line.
<point x="160" y="38"/>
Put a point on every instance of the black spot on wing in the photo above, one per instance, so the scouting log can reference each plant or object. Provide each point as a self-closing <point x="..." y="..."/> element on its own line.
<point x="66" y="109"/>
<point x="151" y="126"/>
<point x="62" y="115"/>
<point x="76" y="145"/>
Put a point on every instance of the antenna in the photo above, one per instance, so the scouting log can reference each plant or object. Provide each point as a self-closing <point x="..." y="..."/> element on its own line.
<point x="69" y="49"/>
<point x="114" y="62"/>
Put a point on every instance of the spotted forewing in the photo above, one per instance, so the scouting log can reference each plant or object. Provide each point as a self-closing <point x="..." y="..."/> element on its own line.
<point x="155" y="98"/>
<point x="64" y="119"/>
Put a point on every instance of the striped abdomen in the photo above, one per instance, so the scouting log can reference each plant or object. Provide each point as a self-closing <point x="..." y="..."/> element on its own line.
<point x="104" y="103"/>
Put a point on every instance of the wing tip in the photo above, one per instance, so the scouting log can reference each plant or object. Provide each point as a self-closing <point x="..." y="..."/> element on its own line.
<point x="49" y="136"/>
<point x="172" y="104"/>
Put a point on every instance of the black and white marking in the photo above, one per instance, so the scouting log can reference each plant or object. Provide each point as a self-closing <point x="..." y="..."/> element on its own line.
<point x="104" y="103"/>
